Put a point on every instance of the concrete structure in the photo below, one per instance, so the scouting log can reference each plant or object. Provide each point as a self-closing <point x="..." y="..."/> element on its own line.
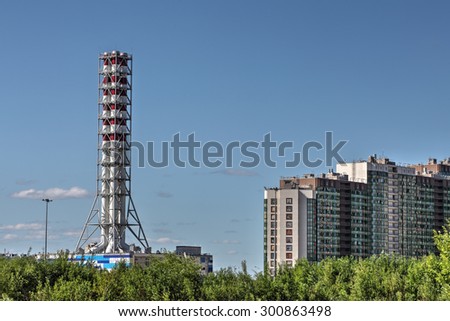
<point x="205" y="260"/>
<point x="113" y="211"/>
<point x="103" y="261"/>
<point x="433" y="168"/>
<point x="368" y="207"/>
<point x="285" y="225"/>
<point x="109" y="261"/>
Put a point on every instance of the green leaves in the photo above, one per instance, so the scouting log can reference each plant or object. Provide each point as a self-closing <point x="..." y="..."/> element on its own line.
<point x="171" y="277"/>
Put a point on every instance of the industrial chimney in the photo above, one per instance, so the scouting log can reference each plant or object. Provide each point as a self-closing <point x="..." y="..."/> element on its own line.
<point x="113" y="211"/>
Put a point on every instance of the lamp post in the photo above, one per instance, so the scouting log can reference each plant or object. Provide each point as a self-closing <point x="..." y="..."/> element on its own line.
<point x="46" y="200"/>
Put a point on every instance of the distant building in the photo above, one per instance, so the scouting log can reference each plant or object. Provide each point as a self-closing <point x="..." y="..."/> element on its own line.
<point x="195" y="252"/>
<point x="103" y="261"/>
<point x="109" y="261"/>
<point x="368" y="207"/>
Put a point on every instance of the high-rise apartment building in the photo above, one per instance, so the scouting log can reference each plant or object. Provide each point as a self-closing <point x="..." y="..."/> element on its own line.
<point x="367" y="207"/>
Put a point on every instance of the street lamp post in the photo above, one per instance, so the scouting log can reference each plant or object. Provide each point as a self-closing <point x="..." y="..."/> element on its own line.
<point x="46" y="200"/>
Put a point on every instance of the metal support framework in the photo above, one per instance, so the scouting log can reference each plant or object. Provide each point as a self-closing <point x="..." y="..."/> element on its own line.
<point x="113" y="210"/>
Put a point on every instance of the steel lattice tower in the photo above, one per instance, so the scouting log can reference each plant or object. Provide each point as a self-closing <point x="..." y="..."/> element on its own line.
<point x="113" y="211"/>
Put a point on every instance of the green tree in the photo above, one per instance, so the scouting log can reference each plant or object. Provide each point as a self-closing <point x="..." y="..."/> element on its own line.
<point x="19" y="277"/>
<point x="334" y="279"/>
<point x="442" y="241"/>
<point x="421" y="279"/>
<point x="172" y="278"/>
<point x="228" y="285"/>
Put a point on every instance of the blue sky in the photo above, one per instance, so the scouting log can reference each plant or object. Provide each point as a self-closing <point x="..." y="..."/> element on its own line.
<point x="375" y="73"/>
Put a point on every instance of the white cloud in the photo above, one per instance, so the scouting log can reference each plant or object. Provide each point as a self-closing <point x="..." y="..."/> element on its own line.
<point x="71" y="233"/>
<point x="232" y="252"/>
<point x="38" y="235"/>
<point x="52" y="193"/>
<point x="9" y="237"/>
<point x="24" y="231"/>
<point x="21" y="226"/>
<point x="165" y="240"/>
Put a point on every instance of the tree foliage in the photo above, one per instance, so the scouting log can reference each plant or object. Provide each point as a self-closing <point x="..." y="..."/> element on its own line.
<point x="176" y="278"/>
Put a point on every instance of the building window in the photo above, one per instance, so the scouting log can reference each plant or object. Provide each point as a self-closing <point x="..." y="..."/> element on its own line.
<point x="289" y="255"/>
<point x="288" y="208"/>
<point x="289" y="232"/>
<point x="273" y="248"/>
<point x="273" y="217"/>
<point x="289" y="200"/>
<point x="289" y="224"/>
<point x="273" y="208"/>
<point x="272" y="256"/>
<point x="273" y="224"/>
<point x="273" y="201"/>
<point x="288" y="239"/>
<point x="288" y="247"/>
<point x="289" y="263"/>
<point x="272" y="240"/>
<point x="272" y="263"/>
<point x="289" y="216"/>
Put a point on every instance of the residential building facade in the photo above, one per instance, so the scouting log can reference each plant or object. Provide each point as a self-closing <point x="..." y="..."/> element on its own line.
<point x="366" y="208"/>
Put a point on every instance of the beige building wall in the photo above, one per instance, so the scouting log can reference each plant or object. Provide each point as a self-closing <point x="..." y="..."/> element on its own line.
<point x="356" y="172"/>
<point x="286" y="226"/>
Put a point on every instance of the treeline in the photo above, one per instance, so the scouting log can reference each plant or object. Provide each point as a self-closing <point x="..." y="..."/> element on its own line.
<point x="177" y="278"/>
